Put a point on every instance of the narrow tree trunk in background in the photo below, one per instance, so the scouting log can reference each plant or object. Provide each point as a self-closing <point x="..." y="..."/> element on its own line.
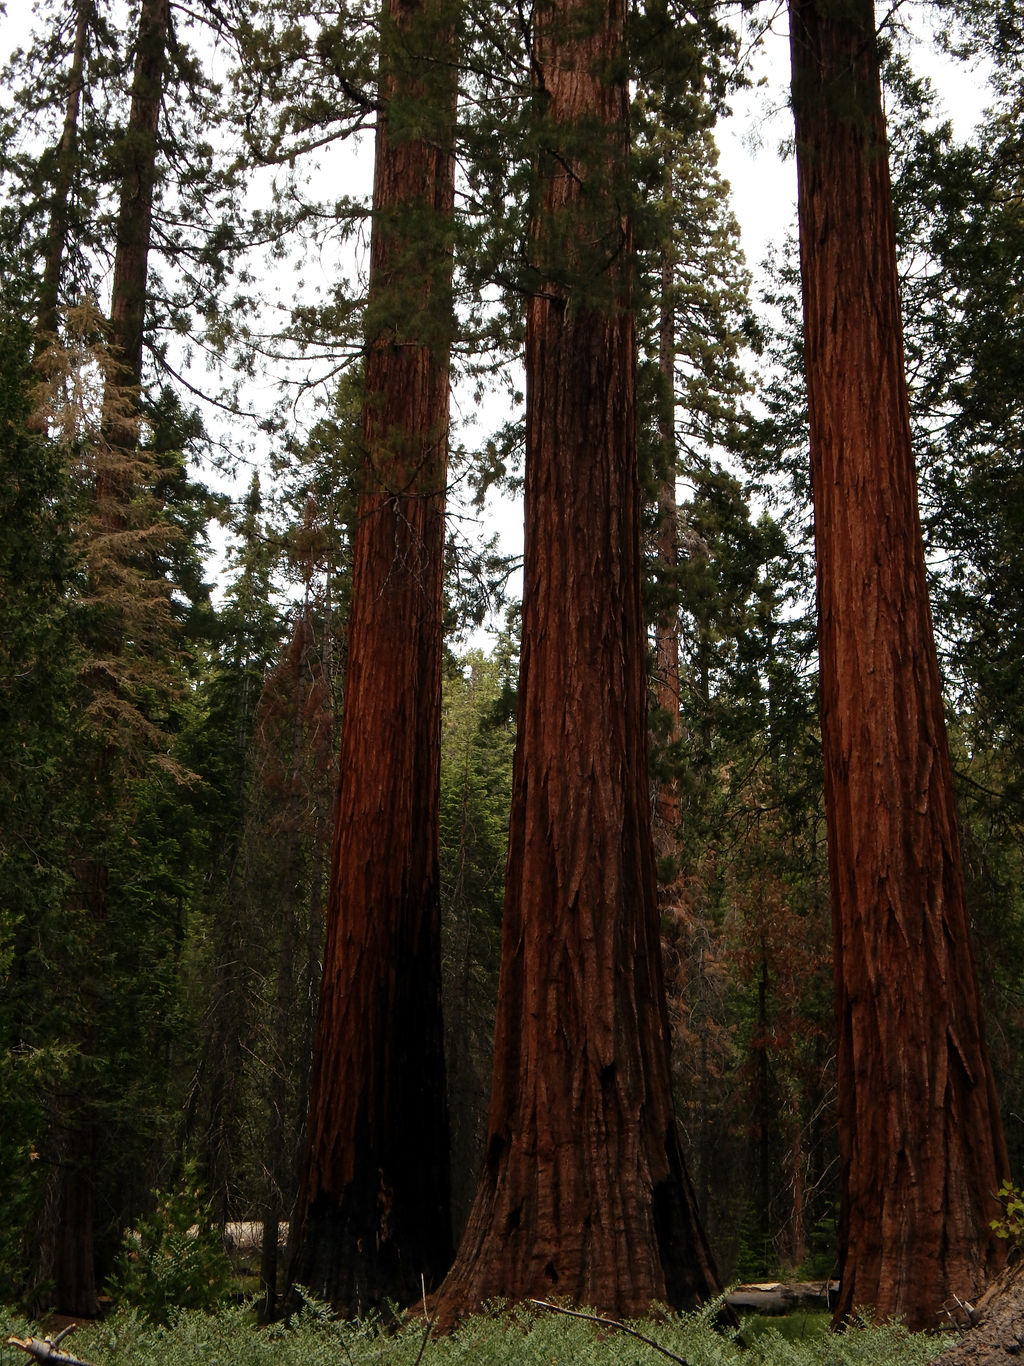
<point x="667" y="807"/>
<point x="324" y="824"/>
<point x="134" y="226"/>
<point x="57" y="230"/>
<point x="66" y="1258"/>
<point x="115" y="475"/>
<point x="281" y="1055"/>
<point x="763" y="1111"/>
<point x="73" y="1269"/>
<point x="374" y="1205"/>
<point x="584" y="1193"/>
<point x="921" y="1144"/>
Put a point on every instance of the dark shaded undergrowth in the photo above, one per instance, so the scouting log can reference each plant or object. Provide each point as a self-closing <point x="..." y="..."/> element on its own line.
<point x="509" y="1337"/>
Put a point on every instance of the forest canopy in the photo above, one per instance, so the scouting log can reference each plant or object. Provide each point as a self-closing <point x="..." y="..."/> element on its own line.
<point x="301" y="316"/>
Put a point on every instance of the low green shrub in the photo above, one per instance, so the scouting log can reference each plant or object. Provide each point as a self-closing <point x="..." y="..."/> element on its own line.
<point x="797" y="1327"/>
<point x="174" y="1258"/>
<point x="505" y="1337"/>
<point x="1011" y="1225"/>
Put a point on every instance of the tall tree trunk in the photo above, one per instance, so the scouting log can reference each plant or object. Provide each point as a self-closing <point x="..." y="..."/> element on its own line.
<point x="667" y="806"/>
<point x="584" y="1192"/>
<point x="73" y="1271"/>
<point x="64" y="169"/>
<point x="115" y="458"/>
<point x="374" y="1204"/>
<point x="764" y="1118"/>
<point x="281" y="1056"/>
<point x="134" y="226"/>
<point x="298" y="816"/>
<point x="921" y="1144"/>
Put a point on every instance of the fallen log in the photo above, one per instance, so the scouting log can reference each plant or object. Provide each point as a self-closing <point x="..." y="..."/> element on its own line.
<point x="48" y="1349"/>
<point x="780" y="1297"/>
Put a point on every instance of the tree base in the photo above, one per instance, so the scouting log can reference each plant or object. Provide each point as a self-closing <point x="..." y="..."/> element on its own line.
<point x="997" y="1333"/>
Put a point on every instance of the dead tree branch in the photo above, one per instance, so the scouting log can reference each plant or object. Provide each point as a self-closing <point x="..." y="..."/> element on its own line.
<point x="48" y="1350"/>
<point x="612" y="1323"/>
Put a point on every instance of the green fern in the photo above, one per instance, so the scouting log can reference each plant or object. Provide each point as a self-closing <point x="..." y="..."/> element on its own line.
<point x="174" y="1259"/>
<point x="507" y="1337"/>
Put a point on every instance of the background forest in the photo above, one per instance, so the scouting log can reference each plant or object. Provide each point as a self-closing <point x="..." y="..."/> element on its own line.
<point x="179" y="443"/>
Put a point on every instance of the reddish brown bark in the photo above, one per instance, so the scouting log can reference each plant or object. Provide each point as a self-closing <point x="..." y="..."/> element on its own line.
<point x="921" y="1143"/>
<point x="374" y="1205"/>
<point x="584" y="1192"/>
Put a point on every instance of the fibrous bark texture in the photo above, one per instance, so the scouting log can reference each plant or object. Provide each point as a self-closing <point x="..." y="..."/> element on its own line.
<point x="374" y="1206"/>
<point x="921" y="1144"/>
<point x="584" y="1192"/>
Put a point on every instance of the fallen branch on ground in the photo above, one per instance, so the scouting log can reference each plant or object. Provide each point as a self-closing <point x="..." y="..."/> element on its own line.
<point x="612" y="1323"/>
<point x="48" y="1349"/>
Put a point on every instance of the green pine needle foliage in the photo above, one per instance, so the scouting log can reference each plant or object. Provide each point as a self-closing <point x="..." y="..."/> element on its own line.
<point x="174" y="1259"/>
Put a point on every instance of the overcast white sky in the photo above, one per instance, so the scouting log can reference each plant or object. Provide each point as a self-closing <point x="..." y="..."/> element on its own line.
<point x="763" y="182"/>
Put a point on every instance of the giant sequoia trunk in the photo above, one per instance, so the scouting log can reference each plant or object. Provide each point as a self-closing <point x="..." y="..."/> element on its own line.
<point x="374" y="1206"/>
<point x="921" y="1144"/>
<point x="584" y="1192"/>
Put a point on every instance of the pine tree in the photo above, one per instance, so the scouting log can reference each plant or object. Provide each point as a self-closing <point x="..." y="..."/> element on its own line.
<point x="477" y="741"/>
<point x="55" y="143"/>
<point x="219" y="747"/>
<point x="373" y="1208"/>
<point x="691" y="383"/>
<point x="64" y="169"/>
<point x="38" y="659"/>
<point x="289" y="838"/>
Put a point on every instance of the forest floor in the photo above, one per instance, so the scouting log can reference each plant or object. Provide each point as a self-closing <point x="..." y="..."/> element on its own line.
<point x="523" y="1336"/>
<point x="782" y="1324"/>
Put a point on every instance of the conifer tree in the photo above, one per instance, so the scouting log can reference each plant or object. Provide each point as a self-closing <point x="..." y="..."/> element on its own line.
<point x="373" y="1213"/>
<point x="219" y="747"/>
<point x="87" y="201"/>
<point x="288" y="833"/>
<point x="64" y="169"/>
<point x="477" y="742"/>
<point x="55" y="141"/>
<point x="691" y="383"/>
<point x="584" y="1191"/>
<point x="38" y="661"/>
<point x="957" y="204"/>
<point x="115" y="616"/>
<point x="921" y="1143"/>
